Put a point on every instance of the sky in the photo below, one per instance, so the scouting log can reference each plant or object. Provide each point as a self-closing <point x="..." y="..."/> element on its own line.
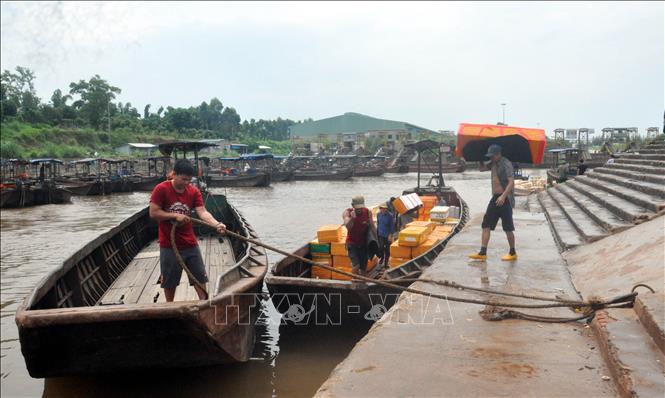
<point x="435" y="65"/>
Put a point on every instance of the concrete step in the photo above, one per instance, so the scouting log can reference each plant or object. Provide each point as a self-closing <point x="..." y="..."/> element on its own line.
<point x="650" y="310"/>
<point x="652" y="150"/>
<point x="641" y="162"/>
<point x="648" y="188"/>
<point x="635" y="363"/>
<point x="626" y="210"/>
<point x="632" y="174"/>
<point x="583" y="224"/>
<point x="604" y="217"/>
<point x="646" y="156"/>
<point x="635" y="167"/>
<point x="563" y="230"/>
<point x="650" y="202"/>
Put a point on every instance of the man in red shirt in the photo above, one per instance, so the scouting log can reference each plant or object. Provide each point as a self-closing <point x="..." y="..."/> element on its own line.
<point x="172" y="201"/>
<point x="358" y="220"/>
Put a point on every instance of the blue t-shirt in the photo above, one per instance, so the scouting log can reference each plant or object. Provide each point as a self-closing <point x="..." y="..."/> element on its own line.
<point x="385" y="224"/>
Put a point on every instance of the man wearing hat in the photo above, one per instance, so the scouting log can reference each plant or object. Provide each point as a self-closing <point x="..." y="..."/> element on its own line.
<point x="357" y="220"/>
<point x="501" y="205"/>
<point x="385" y="226"/>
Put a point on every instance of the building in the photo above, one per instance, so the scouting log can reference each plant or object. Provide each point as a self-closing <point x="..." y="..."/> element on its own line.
<point x="136" y="149"/>
<point x="352" y="131"/>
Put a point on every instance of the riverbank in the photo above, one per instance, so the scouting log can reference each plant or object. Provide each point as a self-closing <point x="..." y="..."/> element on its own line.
<point x="457" y="353"/>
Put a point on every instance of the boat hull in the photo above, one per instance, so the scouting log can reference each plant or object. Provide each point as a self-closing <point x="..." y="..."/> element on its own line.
<point x="146" y="184"/>
<point x="369" y="172"/>
<point x="338" y="175"/>
<point x="290" y="285"/>
<point x="282" y="176"/>
<point x="258" y="180"/>
<point x="65" y="328"/>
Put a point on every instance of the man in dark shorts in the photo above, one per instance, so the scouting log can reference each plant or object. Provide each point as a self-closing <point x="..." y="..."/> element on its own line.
<point x="357" y="220"/>
<point x="501" y="205"/>
<point x="172" y="201"/>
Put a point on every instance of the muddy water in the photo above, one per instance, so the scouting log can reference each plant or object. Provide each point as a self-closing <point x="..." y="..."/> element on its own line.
<point x="288" y="361"/>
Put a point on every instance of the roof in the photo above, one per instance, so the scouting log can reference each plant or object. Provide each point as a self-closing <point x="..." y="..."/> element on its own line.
<point x="167" y="148"/>
<point x="45" y="160"/>
<point x="558" y="150"/>
<point x="141" y="145"/>
<point x="472" y="139"/>
<point x="350" y="122"/>
<point x="256" y="156"/>
<point x="426" y="145"/>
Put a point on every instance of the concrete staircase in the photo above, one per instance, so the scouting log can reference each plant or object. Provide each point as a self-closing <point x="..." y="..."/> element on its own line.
<point x="607" y="199"/>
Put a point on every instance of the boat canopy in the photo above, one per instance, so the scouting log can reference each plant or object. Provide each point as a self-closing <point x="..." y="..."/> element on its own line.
<point x="425" y="145"/>
<point x="256" y="156"/>
<point x="45" y="160"/>
<point x="167" y="148"/>
<point x="518" y="144"/>
<point x="559" y="150"/>
<point x="89" y="160"/>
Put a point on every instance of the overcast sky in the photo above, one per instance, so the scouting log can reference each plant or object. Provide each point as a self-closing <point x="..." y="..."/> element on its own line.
<point x="431" y="64"/>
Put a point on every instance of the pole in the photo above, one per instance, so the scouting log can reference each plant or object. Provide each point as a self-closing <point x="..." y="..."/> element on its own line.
<point x="503" y="111"/>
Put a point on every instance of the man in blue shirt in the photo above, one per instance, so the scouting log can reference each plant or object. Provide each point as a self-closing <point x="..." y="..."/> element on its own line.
<point x="385" y="228"/>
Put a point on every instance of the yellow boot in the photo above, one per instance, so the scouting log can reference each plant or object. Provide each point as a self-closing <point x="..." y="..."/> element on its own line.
<point x="476" y="256"/>
<point x="509" y="257"/>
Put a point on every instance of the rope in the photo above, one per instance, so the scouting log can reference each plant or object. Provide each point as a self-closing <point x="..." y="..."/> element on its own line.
<point x="587" y="308"/>
<point x="181" y="261"/>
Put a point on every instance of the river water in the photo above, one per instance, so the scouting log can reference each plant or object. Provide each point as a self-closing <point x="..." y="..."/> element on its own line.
<point x="288" y="361"/>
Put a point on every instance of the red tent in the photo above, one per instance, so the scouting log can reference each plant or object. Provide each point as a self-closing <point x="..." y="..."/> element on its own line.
<point x="519" y="144"/>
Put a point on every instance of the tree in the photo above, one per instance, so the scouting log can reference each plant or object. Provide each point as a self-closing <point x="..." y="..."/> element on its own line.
<point x="18" y="92"/>
<point x="95" y="95"/>
<point x="146" y="111"/>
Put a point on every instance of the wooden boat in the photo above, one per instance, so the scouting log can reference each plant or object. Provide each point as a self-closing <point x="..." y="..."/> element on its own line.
<point x="456" y="167"/>
<point x="77" y="187"/>
<point x="297" y="295"/>
<point x="369" y="171"/>
<point x="102" y="309"/>
<point x="403" y="168"/>
<point x="290" y="282"/>
<point x="259" y="179"/>
<point x="283" y="175"/>
<point x="16" y="196"/>
<point x="46" y="193"/>
<point x="323" y="175"/>
<point x="146" y="184"/>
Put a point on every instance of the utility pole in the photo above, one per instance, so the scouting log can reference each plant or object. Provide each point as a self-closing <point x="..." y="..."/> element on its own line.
<point x="503" y="111"/>
<point x="108" y="115"/>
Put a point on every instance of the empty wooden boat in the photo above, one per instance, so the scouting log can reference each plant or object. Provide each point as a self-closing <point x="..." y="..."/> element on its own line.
<point x="102" y="309"/>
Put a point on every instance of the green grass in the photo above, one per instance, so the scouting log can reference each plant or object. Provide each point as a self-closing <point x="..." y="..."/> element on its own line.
<point x="23" y="140"/>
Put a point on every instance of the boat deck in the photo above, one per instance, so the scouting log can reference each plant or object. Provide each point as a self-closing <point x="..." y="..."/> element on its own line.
<point x="139" y="282"/>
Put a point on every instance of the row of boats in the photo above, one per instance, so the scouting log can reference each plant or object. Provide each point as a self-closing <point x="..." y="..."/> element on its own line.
<point x="46" y="181"/>
<point x="102" y="309"/>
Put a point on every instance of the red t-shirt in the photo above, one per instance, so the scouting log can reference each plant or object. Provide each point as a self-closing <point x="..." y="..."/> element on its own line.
<point x="166" y="197"/>
<point x="358" y="233"/>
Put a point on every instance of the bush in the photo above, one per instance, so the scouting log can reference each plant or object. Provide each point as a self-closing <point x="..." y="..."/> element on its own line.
<point x="10" y="149"/>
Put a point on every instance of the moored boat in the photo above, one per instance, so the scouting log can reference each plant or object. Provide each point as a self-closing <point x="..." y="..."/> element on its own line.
<point x="298" y="291"/>
<point x="324" y="175"/>
<point x="259" y="179"/>
<point x="102" y="309"/>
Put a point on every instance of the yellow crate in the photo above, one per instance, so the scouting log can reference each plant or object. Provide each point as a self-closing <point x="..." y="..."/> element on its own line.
<point x="412" y="236"/>
<point x="329" y="233"/>
<point x="399" y="251"/>
<point x="320" y="273"/>
<point x="396" y="261"/>
<point x="424" y="247"/>
<point x="428" y="225"/>
<point x="341" y="277"/>
<point x="341" y="261"/>
<point x="338" y="249"/>
<point x="372" y="263"/>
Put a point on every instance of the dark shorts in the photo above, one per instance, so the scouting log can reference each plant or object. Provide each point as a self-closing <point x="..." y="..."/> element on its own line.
<point x="494" y="213"/>
<point x="172" y="271"/>
<point x="358" y="256"/>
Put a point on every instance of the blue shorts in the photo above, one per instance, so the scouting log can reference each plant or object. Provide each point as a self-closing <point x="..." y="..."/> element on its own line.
<point x="172" y="271"/>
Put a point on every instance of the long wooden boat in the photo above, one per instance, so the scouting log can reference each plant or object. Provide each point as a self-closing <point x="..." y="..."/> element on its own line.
<point x="324" y="175"/>
<point x="146" y="184"/>
<point x="291" y="284"/>
<point x="16" y="196"/>
<point x="368" y="171"/>
<point x="398" y="169"/>
<point x="456" y="167"/>
<point x="80" y="188"/>
<point x="102" y="309"/>
<point x="260" y="179"/>
<point x="282" y="176"/>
